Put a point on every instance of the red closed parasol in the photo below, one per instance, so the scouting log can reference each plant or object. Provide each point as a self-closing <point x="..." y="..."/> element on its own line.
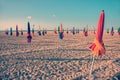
<point x="98" y="46"/>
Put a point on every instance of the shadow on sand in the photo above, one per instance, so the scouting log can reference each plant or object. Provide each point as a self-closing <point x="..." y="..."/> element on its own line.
<point x="116" y="76"/>
<point x="59" y="59"/>
<point x="78" y="78"/>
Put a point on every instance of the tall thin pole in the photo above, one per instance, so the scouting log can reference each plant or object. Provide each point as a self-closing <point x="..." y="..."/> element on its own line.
<point x="92" y="66"/>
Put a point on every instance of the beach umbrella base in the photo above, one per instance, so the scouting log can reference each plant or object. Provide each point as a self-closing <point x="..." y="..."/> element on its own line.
<point x="29" y="38"/>
<point x="61" y="35"/>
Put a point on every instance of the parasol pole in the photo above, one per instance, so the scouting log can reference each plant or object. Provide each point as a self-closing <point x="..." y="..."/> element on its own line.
<point x="61" y="36"/>
<point x="33" y="30"/>
<point x="91" y="69"/>
<point x="43" y="38"/>
<point x="58" y="45"/>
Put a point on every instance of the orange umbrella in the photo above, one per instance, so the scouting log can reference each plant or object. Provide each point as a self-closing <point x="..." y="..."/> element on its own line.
<point x="98" y="46"/>
<point x="60" y="27"/>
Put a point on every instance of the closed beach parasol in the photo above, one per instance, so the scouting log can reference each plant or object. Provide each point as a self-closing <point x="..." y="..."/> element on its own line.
<point x="28" y="28"/>
<point x="6" y="32"/>
<point x="33" y="31"/>
<point x="39" y="31"/>
<point x="83" y="30"/>
<point x="17" y="33"/>
<point x="60" y="32"/>
<point x="86" y="32"/>
<point x="21" y="31"/>
<point x="107" y="30"/>
<point x="55" y="31"/>
<point x="73" y="30"/>
<point x="98" y="46"/>
<point x="29" y="37"/>
<point x="112" y="31"/>
<point x="67" y="31"/>
<point x="43" y="32"/>
<point x="58" y="29"/>
<point x="11" y="31"/>
<point x="119" y="31"/>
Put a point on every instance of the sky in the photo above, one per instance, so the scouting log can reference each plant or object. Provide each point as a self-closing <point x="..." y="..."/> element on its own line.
<point x="50" y="13"/>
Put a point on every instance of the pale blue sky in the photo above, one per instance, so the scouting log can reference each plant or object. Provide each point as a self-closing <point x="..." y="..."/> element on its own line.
<point x="50" y="13"/>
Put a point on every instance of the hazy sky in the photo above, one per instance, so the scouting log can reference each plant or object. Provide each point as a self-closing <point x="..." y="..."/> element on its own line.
<point x="50" y="13"/>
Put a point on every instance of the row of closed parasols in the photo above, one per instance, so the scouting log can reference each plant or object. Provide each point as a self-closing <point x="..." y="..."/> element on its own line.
<point x="97" y="48"/>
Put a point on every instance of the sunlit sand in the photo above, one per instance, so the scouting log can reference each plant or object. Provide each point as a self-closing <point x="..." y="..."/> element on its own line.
<point x="49" y="58"/>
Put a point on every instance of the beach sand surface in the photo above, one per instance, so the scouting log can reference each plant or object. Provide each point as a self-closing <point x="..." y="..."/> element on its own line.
<point x="49" y="58"/>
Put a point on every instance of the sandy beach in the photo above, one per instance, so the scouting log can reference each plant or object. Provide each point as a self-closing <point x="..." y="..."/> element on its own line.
<point x="49" y="58"/>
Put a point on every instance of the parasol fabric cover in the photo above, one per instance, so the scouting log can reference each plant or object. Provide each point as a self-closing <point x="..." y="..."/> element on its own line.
<point x="61" y="35"/>
<point x="61" y="32"/>
<point x="11" y="31"/>
<point x="98" y="46"/>
<point x="29" y="37"/>
<point x="17" y="32"/>
<point x="112" y="31"/>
